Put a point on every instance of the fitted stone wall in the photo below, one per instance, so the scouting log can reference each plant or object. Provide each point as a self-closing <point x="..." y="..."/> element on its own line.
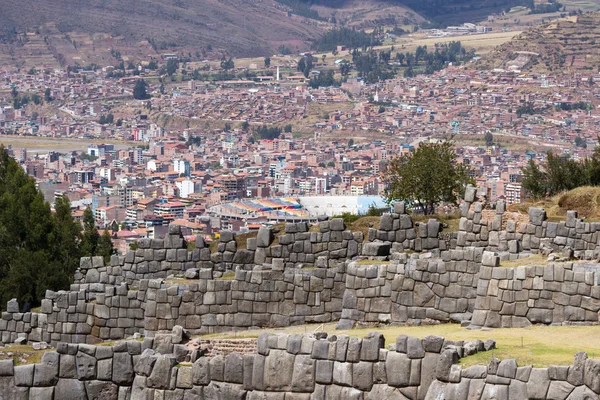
<point x="504" y="379"/>
<point x="538" y="236"/>
<point x="557" y="293"/>
<point x="292" y="367"/>
<point x="272" y="296"/>
<point x="413" y="289"/>
<point x="65" y="316"/>
<point x="282" y="367"/>
<point x="304" y="274"/>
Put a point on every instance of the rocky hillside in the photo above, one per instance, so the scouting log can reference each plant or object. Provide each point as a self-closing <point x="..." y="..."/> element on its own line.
<point x="566" y="45"/>
<point x="240" y="27"/>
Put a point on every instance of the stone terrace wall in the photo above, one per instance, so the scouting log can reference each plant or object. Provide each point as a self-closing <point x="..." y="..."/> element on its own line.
<point x="413" y="289"/>
<point x="65" y="316"/>
<point x="506" y="380"/>
<point x="293" y="367"/>
<point x="275" y="297"/>
<point x="537" y="236"/>
<point x="283" y="367"/>
<point x="559" y="293"/>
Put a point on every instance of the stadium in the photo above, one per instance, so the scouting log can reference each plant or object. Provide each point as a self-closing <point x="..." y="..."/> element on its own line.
<point x="307" y="208"/>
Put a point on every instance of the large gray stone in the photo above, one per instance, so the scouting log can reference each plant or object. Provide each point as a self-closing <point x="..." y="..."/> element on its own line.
<point x="537" y="216"/>
<point x="41" y="393"/>
<point x="122" y="369"/>
<point x="264" y="238"/>
<point x="303" y="378"/>
<point x="591" y="375"/>
<point x="98" y="390"/>
<point x="6" y="368"/>
<point x="201" y="371"/>
<point x="161" y="373"/>
<point x="86" y="366"/>
<point x="24" y="375"/>
<point x="69" y="389"/>
<point x="234" y="368"/>
<point x="559" y="390"/>
<point x="507" y="368"/>
<point x="46" y="372"/>
<point x="12" y="306"/>
<point x="376" y="249"/>
<point x="362" y="376"/>
<point x="222" y="390"/>
<point x="145" y="363"/>
<point x="279" y="368"/>
<point x="538" y="384"/>
<point x="397" y="367"/>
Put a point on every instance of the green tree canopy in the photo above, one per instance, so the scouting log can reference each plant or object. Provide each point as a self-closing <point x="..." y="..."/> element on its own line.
<point x="428" y="176"/>
<point x="489" y="139"/>
<point x="139" y="90"/>
<point x="560" y="173"/>
<point x="39" y="250"/>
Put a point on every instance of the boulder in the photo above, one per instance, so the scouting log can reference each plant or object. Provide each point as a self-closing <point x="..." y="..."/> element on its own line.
<point x="376" y="249"/>
<point x="264" y="237"/>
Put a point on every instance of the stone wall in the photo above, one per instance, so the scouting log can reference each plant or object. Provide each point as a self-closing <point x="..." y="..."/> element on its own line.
<point x="306" y="273"/>
<point x="558" y="293"/>
<point x="504" y="379"/>
<point x="267" y="296"/>
<point x="413" y="289"/>
<point x="283" y="367"/>
<point x="292" y="367"/>
<point x="66" y="316"/>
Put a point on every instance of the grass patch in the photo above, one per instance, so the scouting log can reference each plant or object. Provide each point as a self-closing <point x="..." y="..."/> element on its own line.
<point x="371" y="262"/>
<point x="227" y="276"/>
<point x="585" y="200"/>
<point x="539" y="346"/>
<point x="452" y="220"/>
<point x="21" y="351"/>
<point x="535" y="259"/>
<point x="180" y="281"/>
<point x="363" y="224"/>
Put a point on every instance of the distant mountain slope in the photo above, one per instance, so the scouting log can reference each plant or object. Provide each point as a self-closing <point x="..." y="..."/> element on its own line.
<point x="243" y="27"/>
<point x="441" y="13"/>
<point x="567" y="45"/>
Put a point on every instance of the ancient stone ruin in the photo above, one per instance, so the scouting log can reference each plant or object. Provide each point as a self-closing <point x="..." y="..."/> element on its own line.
<point x="401" y="273"/>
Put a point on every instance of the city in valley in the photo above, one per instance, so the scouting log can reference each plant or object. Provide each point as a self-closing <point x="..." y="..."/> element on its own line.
<point x="233" y="200"/>
<point x="194" y="146"/>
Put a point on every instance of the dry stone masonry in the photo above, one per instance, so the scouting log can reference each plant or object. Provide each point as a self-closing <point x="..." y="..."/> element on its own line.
<point x="310" y="367"/>
<point x="402" y="273"/>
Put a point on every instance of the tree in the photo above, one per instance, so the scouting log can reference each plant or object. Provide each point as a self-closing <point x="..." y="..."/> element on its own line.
<point x="90" y="238"/>
<point x="227" y="64"/>
<point x="105" y="247"/>
<point x="139" y="90"/>
<point x="48" y="95"/>
<point x="580" y="142"/>
<point x="489" y="139"/>
<point x="38" y="249"/>
<point x="245" y="126"/>
<point x="534" y="180"/>
<point x="267" y="62"/>
<point x="428" y="176"/>
<point x="350" y="142"/>
<point x="345" y="68"/>
<point x="172" y="66"/>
